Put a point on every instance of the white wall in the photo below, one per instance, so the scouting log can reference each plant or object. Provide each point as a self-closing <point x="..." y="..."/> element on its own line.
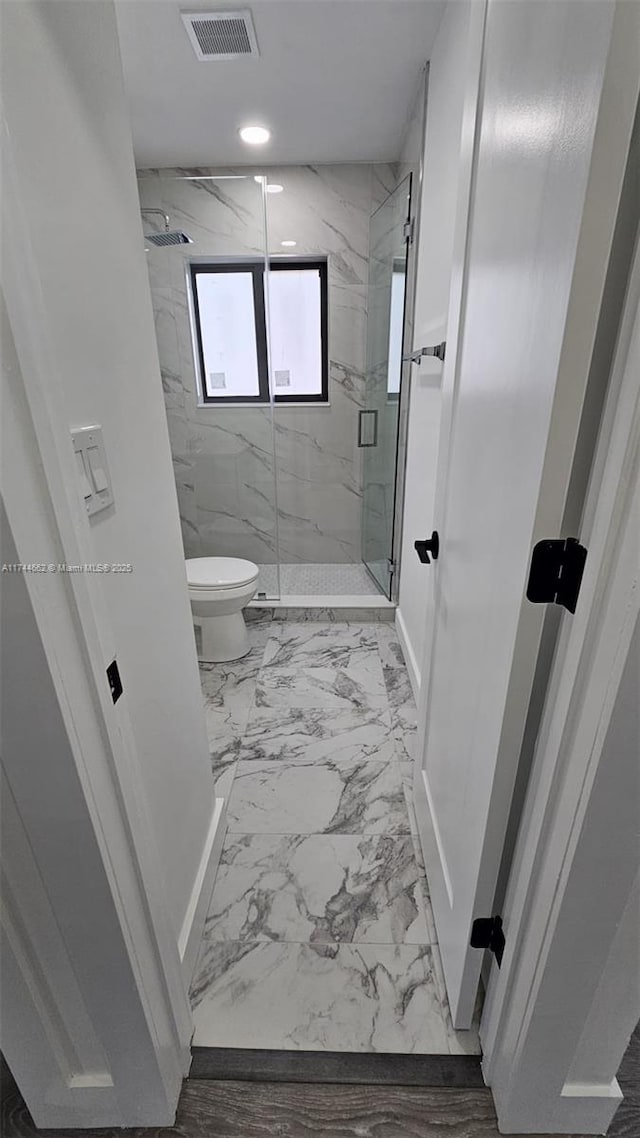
<point x="74" y="1028"/>
<point x="447" y="79"/>
<point x="65" y="106"/>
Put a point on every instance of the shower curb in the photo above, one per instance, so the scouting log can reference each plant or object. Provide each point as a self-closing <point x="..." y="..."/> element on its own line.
<point x="356" y="614"/>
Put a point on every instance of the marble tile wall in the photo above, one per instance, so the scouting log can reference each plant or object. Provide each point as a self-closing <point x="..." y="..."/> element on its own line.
<point x="241" y="470"/>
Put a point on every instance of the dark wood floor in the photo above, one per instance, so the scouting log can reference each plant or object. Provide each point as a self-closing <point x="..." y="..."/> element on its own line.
<point x="212" y="1109"/>
<point x="233" y="1109"/>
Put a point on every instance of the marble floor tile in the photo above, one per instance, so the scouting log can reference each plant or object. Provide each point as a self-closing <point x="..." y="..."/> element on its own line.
<point x="259" y="632"/>
<point x="316" y="734"/>
<point x="359" y="684"/>
<point x="317" y="644"/>
<point x="338" y="797"/>
<point x="458" y="1042"/>
<point x="405" y="733"/>
<point x="226" y="727"/>
<point x="223" y="776"/>
<point x="320" y="933"/>
<point x="389" y="645"/>
<point x="336" y="614"/>
<point x="231" y="685"/>
<point x="398" y="686"/>
<point x="258" y="615"/>
<point x="413" y="822"/>
<point x="318" y="888"/>
<point x="318" y="997"/>
<point x="402" y="708"/>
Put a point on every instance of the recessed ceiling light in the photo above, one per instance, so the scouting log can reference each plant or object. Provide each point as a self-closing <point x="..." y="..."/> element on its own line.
<point x="289" y="244"/>
<point x="255" y="135"/>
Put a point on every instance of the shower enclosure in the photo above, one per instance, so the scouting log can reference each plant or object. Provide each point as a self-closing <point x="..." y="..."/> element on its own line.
<point x="279" y="321"/>
<point x="389" y="247"/>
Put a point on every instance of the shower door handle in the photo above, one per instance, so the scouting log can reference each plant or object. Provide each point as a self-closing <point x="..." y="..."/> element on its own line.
<point x="372" y="435"/>
<point x="430" y="546"/>
<point x="436" y="350"/>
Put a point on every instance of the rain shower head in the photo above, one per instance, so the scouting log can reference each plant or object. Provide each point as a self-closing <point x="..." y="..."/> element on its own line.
<point x="168" y="236"/>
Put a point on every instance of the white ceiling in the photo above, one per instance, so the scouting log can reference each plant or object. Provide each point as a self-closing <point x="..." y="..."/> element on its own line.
<point x="334" y="81"/>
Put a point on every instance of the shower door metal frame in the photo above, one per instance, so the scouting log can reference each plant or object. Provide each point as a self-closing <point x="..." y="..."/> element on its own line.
<point x="417" y="179"/>
<point x="390" y="397"/>
<point x="415" y="173"/>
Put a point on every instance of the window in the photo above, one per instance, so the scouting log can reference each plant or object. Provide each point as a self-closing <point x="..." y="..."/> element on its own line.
<point x="396" y="327"/>
<point x="230" y="330"/>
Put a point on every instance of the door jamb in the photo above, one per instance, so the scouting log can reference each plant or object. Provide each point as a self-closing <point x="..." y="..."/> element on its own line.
<point x="77" y="642"/>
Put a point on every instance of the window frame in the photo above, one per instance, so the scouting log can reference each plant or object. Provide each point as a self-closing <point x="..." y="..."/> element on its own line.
<point x="257" y="270"/>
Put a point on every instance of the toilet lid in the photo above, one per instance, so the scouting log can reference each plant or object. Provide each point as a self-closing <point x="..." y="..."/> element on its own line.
<point x="219" y="572"/>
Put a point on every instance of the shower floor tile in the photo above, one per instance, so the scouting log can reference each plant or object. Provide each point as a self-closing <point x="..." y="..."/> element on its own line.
<point x="317" y="579"/>
<point x="320" y="933"/>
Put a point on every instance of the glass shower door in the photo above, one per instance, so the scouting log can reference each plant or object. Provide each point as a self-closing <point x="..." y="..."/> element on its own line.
<point x="378" y="420"/>
<point x="208" y="301"/>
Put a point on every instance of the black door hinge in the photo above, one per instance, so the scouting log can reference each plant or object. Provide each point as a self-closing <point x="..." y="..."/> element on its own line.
<point x="486" y="932"/>
<point x="556" y="572"/>
<point x="115" y="683"/>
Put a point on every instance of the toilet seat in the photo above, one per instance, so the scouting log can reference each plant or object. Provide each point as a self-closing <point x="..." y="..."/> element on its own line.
<point x="220" y="573"/>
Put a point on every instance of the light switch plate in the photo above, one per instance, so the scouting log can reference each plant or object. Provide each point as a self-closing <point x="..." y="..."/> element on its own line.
<point x="88" y="445"/>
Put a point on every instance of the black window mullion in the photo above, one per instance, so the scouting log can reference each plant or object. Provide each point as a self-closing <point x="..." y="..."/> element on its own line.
<point x="260" y="314"/>
<point x="196" y="311"/>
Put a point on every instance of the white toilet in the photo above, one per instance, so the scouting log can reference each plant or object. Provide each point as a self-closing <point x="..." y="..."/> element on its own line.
<point x="219" y="589"/>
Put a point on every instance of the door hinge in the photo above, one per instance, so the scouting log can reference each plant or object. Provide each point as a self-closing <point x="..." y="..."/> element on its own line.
<point x="486" y="932"/>
<point x="556" y="572"/>
<point x="391" y="565"/>
<point x="115" y="683"/>
<point x="409" y="230"/>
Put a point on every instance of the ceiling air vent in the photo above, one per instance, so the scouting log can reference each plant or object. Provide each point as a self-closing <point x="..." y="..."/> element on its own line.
<point x="221" y="35"/>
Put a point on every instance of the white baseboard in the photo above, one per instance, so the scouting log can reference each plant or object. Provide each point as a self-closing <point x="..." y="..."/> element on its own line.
<point x="577" y="1109"/>
<point x="193" y="924"/>
<point x="409" y="655"/>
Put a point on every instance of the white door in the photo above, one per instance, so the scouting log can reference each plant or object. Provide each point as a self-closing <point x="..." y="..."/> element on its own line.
<point x="543" y="205"/>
